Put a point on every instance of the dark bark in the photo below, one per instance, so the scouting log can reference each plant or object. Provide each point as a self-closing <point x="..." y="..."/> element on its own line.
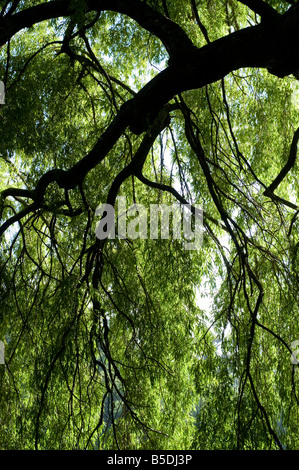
<point x="271" y="45"/>
<point x="263" y="9"/>
<point x="172" y="36"/>
<point x="287" y="167"/>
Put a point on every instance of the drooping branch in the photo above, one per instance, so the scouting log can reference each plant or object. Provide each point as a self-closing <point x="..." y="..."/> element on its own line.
<point x="199" y="22"/>
<point x="12" y="8"/>
<point x="287" y="167"/>
<point x="68" y="179"/>
<point x="137" y="163"/>
<point x="18" y="217"/>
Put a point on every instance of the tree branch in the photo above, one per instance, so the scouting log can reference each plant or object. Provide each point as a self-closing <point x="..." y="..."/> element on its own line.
<point x="288" y="166"/>
<point x="258" y="46"/>
<point x="200" y="24"/>
<point x="269" y="45"/>
<point x="263" y="9"/>
<point x="171" y="34"/>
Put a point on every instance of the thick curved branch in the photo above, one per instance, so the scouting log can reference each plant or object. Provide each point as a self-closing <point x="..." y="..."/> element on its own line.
<point x="263" y="9"/>
<point x="258" y="46"/>
<point x="269" y="45"/>
<point x="172" y="35"/>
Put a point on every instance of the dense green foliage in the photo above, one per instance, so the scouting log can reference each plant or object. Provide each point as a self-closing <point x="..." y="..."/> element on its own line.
<point x="113" y="345"/>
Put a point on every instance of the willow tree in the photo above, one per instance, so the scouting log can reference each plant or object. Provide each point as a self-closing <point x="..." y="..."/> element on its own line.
<point x="108" y="341"/>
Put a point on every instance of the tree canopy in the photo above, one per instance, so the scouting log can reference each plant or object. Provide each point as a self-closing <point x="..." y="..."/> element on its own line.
<point x="121" y="343"/>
